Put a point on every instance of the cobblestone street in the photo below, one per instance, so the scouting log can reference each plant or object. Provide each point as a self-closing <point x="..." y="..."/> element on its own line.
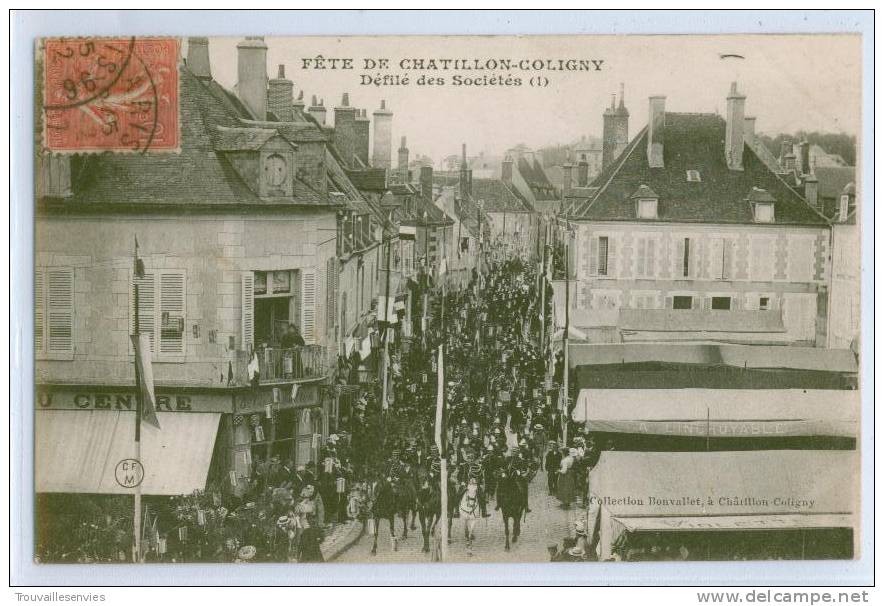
<point x="546" y="524"/>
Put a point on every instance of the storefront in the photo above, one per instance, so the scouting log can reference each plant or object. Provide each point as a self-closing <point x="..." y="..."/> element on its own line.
<point x="206" y="437"/>
<point x="725" y="505"/>
<point x="720" y="419"/>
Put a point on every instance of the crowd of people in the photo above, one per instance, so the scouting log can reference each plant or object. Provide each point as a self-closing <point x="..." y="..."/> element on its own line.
<point x="502" y="416"/>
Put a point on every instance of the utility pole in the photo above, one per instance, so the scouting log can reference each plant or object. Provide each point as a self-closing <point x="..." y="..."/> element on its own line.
<point x="136" y="517"/>
<point x="566" y="399"/>
<point x="386" y="360"/>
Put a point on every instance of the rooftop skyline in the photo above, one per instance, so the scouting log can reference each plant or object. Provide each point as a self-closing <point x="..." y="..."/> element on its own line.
<point x="792" y="83"/>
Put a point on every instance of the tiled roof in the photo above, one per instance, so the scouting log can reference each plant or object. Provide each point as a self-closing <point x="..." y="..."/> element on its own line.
<point x="240" y="139"/>
<point x="833" y="179"/>
<point x="692" y="142"/>
<point x="499" y="198"/>
<point x="198" y="175"/>
<point x="296" y="132"/>
<point x="534" y="175"/>
<point x="371" y="179"/>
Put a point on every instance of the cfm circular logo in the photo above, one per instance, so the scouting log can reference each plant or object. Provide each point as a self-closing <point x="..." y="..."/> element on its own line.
<point x="129" y="473"/>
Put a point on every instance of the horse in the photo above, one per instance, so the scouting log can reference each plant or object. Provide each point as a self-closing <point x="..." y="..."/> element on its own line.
<point x="429" y="507"/>
<point x="511" y="498"/>
<point x="391" y="498"/>
<point x="469" y="510"/>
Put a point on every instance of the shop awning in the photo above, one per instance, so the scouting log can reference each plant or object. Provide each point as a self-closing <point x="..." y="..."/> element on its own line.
<point x="710" y="354"/>
<point x="720" y="413"/>
<point x="749" y="522"/>
<point x="77" y="451"/>
<point x="734" y="483"/>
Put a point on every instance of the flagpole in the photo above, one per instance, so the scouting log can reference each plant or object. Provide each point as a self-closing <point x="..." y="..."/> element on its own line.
<point x="136" y="521"/>
<point x="443" y="456"/>
<point x="386" y="325"/>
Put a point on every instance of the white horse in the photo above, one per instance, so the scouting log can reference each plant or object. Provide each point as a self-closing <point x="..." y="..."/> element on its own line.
<point x="470" y="512"/>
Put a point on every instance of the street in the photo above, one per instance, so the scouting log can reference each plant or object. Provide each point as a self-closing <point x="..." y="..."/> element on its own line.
<point x="546" y="524"/>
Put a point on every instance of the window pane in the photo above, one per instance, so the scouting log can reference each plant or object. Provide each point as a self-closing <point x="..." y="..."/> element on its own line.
<point x="682" y="302"/>
<point x="722" y="303"/>
<point x="603" y="256"/>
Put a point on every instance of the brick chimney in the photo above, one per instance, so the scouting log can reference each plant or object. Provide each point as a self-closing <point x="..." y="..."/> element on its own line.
<point x="803" y="157"/>
<point x="749" y="128"/>
<point x="298" y="107"/>
<point x="506" y="170"/>
<point x="317" y="110"/>
<point x="280" y="98"/>
<point x="567" y="171"/>
<point x="361" y="132"/>
<point x="426" y="182"/>
<point x="345" y="130"/>
<point x="466" y="175"/>
<point x="812" y="191"/>
<point x="198" y="57"/>
<point x="785" y="150"/>
<point x="55" y="179"/>
<point x="251" y="69"/>
<point x="383" y="137"/>
<point x="656" y="122"/>
<point x="733" y="136"/>
<point x="582" y="171"/>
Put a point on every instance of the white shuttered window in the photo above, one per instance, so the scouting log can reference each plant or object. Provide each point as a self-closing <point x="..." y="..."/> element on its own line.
<point x="161" y="311"/>
<point x="54" y="311"/>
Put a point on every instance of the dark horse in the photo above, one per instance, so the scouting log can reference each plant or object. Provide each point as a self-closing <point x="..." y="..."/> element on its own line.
<point x="429" y="506"/>
<point x="511" y="499"/>
<point x="392" y="498"/>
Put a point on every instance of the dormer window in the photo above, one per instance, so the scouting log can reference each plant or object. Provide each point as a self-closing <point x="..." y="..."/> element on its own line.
<point x="693" y="176"/>
<point x="764" y="212"/>
<point x="843" y="208"/>
<point x="275" y="170"/>
<point x="762" y="204"/>
<point x="647" y="208"/>
<point x="645" y="202"/>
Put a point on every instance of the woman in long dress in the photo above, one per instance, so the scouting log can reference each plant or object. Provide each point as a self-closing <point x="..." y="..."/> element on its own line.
<point x="566" y="485"/>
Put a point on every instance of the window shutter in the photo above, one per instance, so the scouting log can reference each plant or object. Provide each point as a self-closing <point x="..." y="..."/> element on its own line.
<point x="612" y="257"/>
<point x="146" y="308"/>
<point x="641" y="252"/>
<point x="651" y="258"/>
<point x="331" y="294"/>
<point x="308" y="305"/>
<point x="678" y="259"/>
<point x="667" y="302"/>
<point x="751" y="301"/>
<point x="172" y="309"/>
<point x="39" y="303"/>
<point x="727" y="258"/>
<point x="707" y="303"/>
<point x="593" y="256"/>
<point x="714" y="259"/>
<point x="61" y="310"/>
<point x="247" y="335"/>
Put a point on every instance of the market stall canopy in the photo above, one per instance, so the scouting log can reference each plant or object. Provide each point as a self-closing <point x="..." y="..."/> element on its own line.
<point x="735" y="483"/>
<point x="77" y="451"/>
<point x="738" y="356"/>
<point x="720" y="413"/>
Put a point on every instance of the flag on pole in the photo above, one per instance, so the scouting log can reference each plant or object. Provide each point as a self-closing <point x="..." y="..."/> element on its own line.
<point x="440" y="406"/>
<point x="145" y="370"/>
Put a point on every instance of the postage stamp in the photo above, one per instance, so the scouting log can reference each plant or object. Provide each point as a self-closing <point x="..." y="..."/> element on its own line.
<point x="111" y="94"/>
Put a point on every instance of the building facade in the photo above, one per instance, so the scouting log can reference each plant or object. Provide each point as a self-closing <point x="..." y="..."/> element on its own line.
<point x="690" y="236"/>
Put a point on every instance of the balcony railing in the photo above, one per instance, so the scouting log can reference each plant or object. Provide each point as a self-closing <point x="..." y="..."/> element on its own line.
<point x="276" y="364"/>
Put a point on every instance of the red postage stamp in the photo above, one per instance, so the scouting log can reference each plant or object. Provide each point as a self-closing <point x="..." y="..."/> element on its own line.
<point x="111" y="94"/>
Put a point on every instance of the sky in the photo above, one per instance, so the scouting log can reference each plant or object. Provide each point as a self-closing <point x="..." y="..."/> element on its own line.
<point x="792" y="82"/>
